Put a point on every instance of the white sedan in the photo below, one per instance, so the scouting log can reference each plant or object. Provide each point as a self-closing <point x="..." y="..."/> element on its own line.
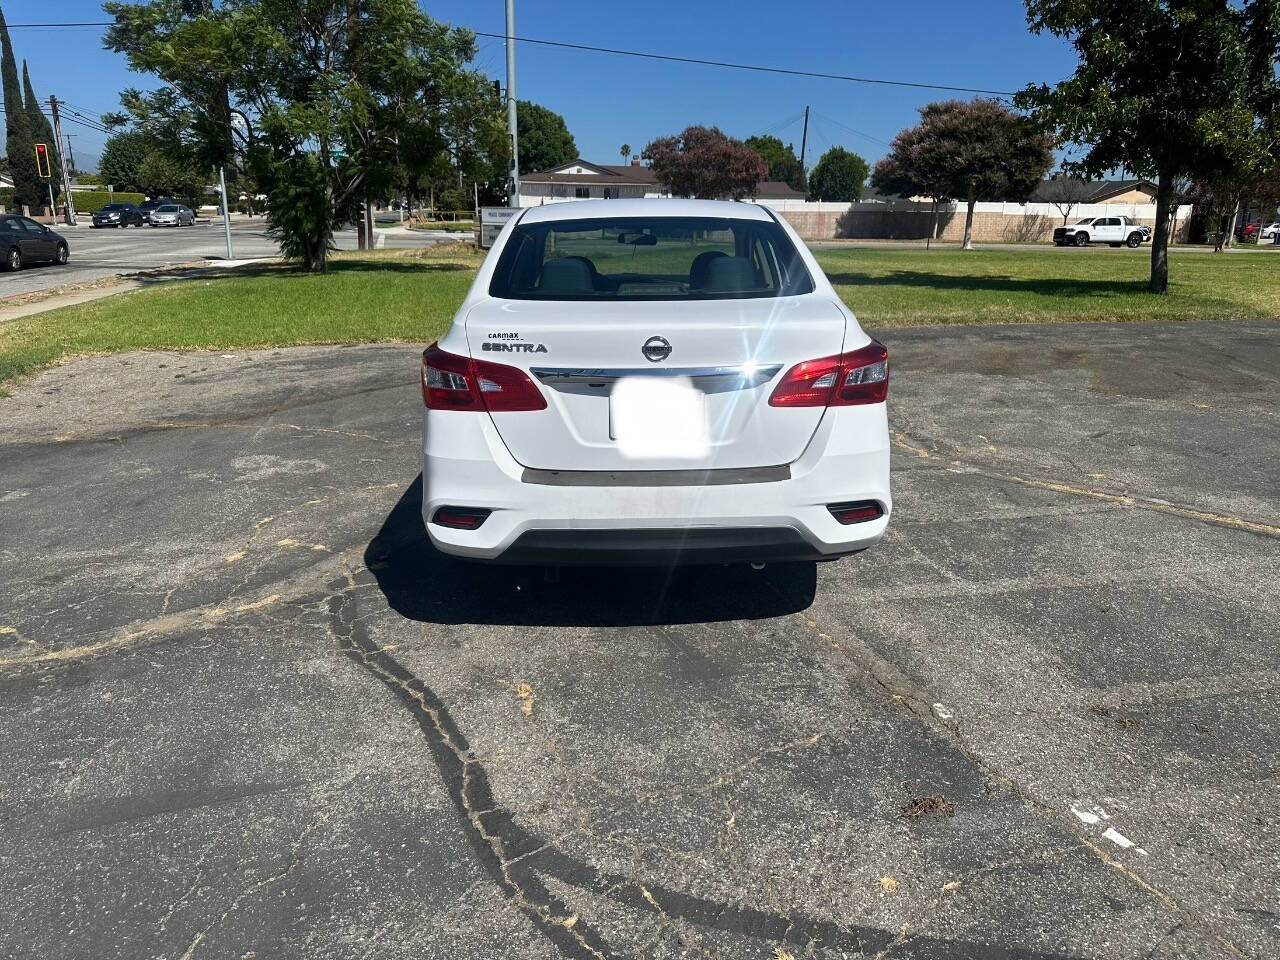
<point x="654" y="381"/>
<point x="173" y="215"/>
<point x="1268" y="232"/>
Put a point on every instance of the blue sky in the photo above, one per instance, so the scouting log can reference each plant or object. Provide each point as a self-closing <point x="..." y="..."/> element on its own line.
<point x="609" y="100"/>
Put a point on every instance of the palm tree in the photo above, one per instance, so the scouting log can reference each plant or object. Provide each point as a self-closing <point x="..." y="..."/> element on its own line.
<point x="626" y="152"/>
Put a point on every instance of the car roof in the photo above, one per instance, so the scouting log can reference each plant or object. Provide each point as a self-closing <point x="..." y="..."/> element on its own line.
<point x="647" y="207"/>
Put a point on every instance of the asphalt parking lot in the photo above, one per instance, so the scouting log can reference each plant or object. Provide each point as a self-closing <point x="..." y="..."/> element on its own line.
<point x="249" y="712"/>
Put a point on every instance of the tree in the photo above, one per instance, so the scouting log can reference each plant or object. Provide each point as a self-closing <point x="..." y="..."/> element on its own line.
<point x="40" y="128"/>
<point x="1165" y="88"/>
<point x="121" y="162"/>
<point x="19" y="144"/>
<point x="839" y="176"/>
<point x="702" y="162"/>
<point x="784" y="166"/>
<point x="1066" y="193"/>
<point x="966" y="150"/>
<point x="164" y="175"/>
<point x="626" y="152"/>
<point x="545" y="140"/>
<point x="330" y="104"/>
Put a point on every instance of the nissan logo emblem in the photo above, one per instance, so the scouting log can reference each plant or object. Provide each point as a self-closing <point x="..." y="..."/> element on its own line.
<point x="656" y="349"/>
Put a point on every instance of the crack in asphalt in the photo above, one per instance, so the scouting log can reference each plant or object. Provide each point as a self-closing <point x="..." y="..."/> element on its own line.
<point x="295" y="860"/>
<point x="1119" y="499"/>
<point x="899" y="689"/>
<point x="518" y="860"/>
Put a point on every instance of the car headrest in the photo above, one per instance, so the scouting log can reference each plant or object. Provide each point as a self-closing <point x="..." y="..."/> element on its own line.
<point x="730" y="275"/>
<point x="569" y="276"/>
<point x="701" y="266"/>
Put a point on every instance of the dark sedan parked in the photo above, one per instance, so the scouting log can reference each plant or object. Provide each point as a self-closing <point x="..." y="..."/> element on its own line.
<point x="25" y="241"/>
<point x="118" y="215"/>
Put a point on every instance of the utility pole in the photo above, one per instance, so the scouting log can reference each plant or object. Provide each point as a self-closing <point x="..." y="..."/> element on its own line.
<point x="62" y="161"/>
<point x="71" y="152"/>
<point x="514" y="200"/>
<point x="226" y="211"/>
<point x="804" y="137"/>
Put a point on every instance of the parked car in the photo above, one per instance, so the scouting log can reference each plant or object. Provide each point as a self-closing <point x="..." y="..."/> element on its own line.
<point x="702" y="397"/>
<point x="1110" y="230"/>
<point x="1268" y="232"/>
<point x="148" y="206"/>
<point x="24" y="241"/>
<point x="173" y="215"/>
<point x="118" y="215"/>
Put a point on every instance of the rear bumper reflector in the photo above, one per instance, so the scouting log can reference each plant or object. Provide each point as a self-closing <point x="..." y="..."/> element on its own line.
<point x="460" y="518"/>
<point x="858" y="511"/>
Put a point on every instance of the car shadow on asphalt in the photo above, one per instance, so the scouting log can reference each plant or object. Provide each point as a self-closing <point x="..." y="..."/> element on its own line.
<point x="420" y="583"/>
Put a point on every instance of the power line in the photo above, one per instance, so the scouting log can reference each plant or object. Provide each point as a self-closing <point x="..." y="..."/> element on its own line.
<point x="748" y="66"/>
<point x="859" y="133"/>
<point x="52" y="26"/>
<point x="779" y="127"/>
<point x="669" y="58"/>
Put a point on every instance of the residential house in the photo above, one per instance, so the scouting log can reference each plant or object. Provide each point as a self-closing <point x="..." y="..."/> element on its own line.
<point x="1095" y="191"/>
<point x="582" y="180"/>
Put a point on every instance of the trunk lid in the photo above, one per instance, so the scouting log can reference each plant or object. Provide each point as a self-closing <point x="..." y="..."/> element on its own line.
<point x="611" y="407"/>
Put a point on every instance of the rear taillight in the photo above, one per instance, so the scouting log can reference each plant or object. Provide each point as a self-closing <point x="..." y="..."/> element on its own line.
<point x="861" y="376"/>
<point x="451" y="382"/>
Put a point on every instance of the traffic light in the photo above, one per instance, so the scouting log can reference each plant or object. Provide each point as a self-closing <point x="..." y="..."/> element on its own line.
<point x="42" y="160"/>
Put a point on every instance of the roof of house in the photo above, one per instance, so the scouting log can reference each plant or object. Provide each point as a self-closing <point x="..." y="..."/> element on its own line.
<point x="777" y="190"/>
<point x="871" y="195"/>
<point x="608" y="174"/>
<point x="637" y="207"/>
<point x="604" y="173"/>
<point x="1092" y="191"/>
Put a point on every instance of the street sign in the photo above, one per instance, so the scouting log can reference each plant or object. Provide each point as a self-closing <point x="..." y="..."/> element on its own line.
<point x="492" y="220"/>
<point x="42" y="160"/>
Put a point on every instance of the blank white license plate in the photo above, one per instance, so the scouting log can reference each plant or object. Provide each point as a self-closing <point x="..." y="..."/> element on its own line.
<point x="657" y="417"/>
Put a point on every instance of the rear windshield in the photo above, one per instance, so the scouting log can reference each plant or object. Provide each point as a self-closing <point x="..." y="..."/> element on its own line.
<point x="649" y="258"/>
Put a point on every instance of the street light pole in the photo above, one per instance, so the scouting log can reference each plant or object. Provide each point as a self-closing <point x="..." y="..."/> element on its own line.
<point x="511" y="104"/>
<point x="226" y="211"/>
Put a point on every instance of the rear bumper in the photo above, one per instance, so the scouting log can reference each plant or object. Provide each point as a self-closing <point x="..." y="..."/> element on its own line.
<point x="662" y="547"/>
<point x="769" y="514"/>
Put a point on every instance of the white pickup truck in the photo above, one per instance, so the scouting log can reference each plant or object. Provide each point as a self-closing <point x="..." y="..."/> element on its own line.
<point x="1112" y="230"/>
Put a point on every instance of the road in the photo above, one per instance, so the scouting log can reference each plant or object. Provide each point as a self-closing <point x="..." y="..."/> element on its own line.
<point x="249" y="712"/>
<point x="97" y="254"/>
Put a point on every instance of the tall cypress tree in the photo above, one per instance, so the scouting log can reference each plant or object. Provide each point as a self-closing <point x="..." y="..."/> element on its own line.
<point x="40" y="128"/>
<point x="18" y="143"/>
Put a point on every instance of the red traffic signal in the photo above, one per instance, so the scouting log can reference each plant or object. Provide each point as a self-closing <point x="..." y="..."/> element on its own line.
<point x="42" y="160"/>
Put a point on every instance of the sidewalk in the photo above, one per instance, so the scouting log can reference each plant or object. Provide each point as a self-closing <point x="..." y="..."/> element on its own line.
<point x="31" y="304"/>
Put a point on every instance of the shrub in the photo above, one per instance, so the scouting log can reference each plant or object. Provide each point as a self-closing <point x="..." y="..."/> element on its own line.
<point x="91" y="201"/>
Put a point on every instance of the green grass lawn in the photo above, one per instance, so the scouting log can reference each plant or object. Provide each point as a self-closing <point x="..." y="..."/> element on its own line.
<point x="896" y="287"/>
<point x="412" y="295"/>
<point x="408" y="295"/>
